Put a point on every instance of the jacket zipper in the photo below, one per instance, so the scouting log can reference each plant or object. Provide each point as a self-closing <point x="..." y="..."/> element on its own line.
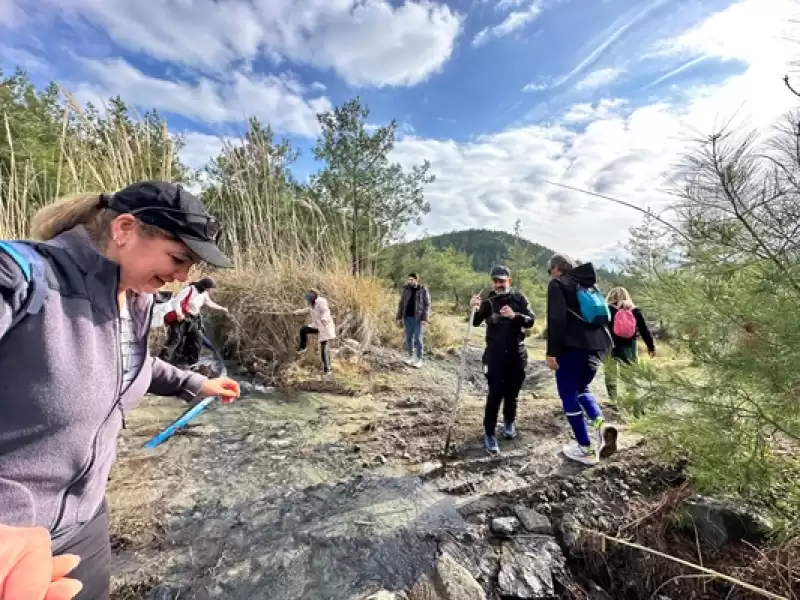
<point x="117" y="405"/>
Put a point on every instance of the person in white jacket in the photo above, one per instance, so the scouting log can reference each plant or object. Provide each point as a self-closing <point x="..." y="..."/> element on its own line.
<point x="322" y="325"/>
<point x="185" y="327"/>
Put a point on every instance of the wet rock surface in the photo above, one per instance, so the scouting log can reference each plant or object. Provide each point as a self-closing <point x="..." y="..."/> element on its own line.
<point x="303" y="496"/>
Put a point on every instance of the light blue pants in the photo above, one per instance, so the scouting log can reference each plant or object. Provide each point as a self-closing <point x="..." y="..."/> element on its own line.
<point x="413" y="329"/>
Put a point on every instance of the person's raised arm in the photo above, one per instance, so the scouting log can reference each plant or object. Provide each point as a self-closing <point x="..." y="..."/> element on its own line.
<point x="484" y="311"/>
<point x="211" y="304"/>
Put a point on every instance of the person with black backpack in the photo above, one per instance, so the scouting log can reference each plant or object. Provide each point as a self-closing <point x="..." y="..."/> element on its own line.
<point x="507" y="314"/>
<point x="577" y="340"/>
<point x="627" y="324"/>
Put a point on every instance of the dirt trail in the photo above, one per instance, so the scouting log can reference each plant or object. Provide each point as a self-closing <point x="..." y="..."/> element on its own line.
<point x="313" y="495"/>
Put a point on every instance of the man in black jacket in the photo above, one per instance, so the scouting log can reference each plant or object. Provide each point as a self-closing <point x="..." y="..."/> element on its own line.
<point x="574" y="351"/>
<point x="507" y="314"/>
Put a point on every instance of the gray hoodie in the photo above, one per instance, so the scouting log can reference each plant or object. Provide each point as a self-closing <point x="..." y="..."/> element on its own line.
<point x="60" y="379"/>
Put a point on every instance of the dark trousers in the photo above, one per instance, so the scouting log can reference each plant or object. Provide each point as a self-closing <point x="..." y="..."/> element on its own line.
<point x="505" y="375"/>
<point x="324" y="353"/>
<point x="92" y="544"/>
<point x="184" y="341"/>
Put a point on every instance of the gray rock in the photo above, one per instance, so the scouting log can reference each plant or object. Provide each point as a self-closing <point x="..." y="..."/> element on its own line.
<point x="505" y="525"/>
<point x="533" y="521"/>
<point x="720" y="521"/>
<point x="382" y="595"/>
<point x="450" y="581"/>
<point x="526" y="569"/>
<point x="165" y="592"/>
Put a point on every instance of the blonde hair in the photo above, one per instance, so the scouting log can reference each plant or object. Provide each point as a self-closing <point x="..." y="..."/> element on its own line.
<point x="81" y="209"/>
<point x="620" y="297"/>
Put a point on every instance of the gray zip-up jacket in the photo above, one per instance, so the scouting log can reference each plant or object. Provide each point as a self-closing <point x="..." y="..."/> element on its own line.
<point x="60" y="379"/>
<point x="422" y="307"/>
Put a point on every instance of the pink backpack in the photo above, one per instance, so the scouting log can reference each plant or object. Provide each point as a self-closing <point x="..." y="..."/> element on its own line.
<point x="624" y="324"/>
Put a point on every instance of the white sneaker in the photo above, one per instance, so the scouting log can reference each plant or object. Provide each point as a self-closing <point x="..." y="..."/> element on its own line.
<point x="418" y="363"/>
<point x="586" y="456"/>
<point x="410" y="361"/>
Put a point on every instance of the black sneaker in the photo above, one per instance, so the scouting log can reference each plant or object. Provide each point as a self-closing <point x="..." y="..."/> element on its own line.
<point x="509" y="431"/>
<point x="491" y="444"/>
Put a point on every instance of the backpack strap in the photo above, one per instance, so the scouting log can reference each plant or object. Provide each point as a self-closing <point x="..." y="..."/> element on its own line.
<point x="32" y="266"/>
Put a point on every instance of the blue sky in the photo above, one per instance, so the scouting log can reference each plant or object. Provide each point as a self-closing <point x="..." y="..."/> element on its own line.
<point x="499" y="95"/>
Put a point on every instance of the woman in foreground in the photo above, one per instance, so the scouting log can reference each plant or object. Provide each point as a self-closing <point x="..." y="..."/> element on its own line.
<point x="72" y="371"/>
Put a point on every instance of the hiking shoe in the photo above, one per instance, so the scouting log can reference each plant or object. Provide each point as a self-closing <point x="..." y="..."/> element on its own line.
<point x="609" y="442"/>
<point x="491" y="444"/>
<point x="578" y="453"/>
<point x="509" y="431"/>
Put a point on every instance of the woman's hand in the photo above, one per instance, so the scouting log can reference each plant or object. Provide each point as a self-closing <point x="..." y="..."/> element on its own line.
<point x="552" y="363"/>
<point x="29" y="570"/>
<point x="227" y="389"/>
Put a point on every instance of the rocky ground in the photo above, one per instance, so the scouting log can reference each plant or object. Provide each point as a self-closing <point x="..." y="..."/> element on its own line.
<point x="339" y="492"/>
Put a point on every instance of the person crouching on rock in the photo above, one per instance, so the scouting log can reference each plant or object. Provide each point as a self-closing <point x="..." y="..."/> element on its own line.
<point x="507" y="314"/>
<point x="576" y="343"/>
<point x="74" y="361"/>
<point x="184" y="323"/>
<point x="322" y="325"/>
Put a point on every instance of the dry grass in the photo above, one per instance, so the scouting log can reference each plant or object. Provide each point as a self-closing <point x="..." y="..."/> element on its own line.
<point x="262" y="333"/>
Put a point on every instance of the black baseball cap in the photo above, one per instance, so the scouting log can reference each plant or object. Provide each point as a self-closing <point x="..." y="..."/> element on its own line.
<point x="170" y="207"/>
<point x="500" y="272"/>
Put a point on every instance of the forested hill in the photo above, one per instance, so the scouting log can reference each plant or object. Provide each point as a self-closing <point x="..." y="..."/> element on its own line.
<point x="488" y="247"/>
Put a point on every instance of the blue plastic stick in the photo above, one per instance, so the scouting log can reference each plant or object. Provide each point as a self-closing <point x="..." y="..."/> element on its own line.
<point x="192" y="412"/>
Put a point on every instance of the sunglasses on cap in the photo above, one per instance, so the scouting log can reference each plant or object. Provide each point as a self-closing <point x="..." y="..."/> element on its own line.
<point x="201" y="226"/>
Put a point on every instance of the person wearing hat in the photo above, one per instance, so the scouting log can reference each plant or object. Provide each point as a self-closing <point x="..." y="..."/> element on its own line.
<point x="68" y="303"/>
<point x="507" y="314"/>
<point x="322" y="325"/>
<point x="185" y="326"/>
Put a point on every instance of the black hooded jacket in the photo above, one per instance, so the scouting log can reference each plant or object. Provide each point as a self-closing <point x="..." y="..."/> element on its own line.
<point x="565" y="328"/>
<point x="503" y="334"/>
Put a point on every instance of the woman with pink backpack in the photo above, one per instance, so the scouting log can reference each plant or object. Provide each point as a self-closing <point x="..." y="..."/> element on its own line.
<point x="627" y="324"/>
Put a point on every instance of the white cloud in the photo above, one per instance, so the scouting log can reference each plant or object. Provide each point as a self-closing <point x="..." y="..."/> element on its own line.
<point x="513" y="21"/>
<point x="368" y="42"/>
<point x="201" y="147"/>
<point x="609" y="147"/>
<point x="599" y="78"/>
<point x="10" y="14"/>
<point x="754" y="32"/>
<point x="535" y="87"/>
<point x="280" y="101"/>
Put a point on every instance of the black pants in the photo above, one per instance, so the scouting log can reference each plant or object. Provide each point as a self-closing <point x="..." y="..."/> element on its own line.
<point x="505" y="375"/>
<point x="92" y="544"/>
<point x="324" y="353"/>
<point x="184" y="341"/>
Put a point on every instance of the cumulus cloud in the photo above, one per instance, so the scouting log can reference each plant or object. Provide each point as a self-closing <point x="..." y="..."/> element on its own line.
<point x="367" y="42"/>
<point x="280" y="101"/>
<point x="610" y="147"/>
<point x="513" y="21"/>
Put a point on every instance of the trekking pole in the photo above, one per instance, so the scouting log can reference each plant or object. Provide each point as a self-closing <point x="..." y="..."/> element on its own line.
<point x="193" y="411"/>
<point x="459" y="381"/>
